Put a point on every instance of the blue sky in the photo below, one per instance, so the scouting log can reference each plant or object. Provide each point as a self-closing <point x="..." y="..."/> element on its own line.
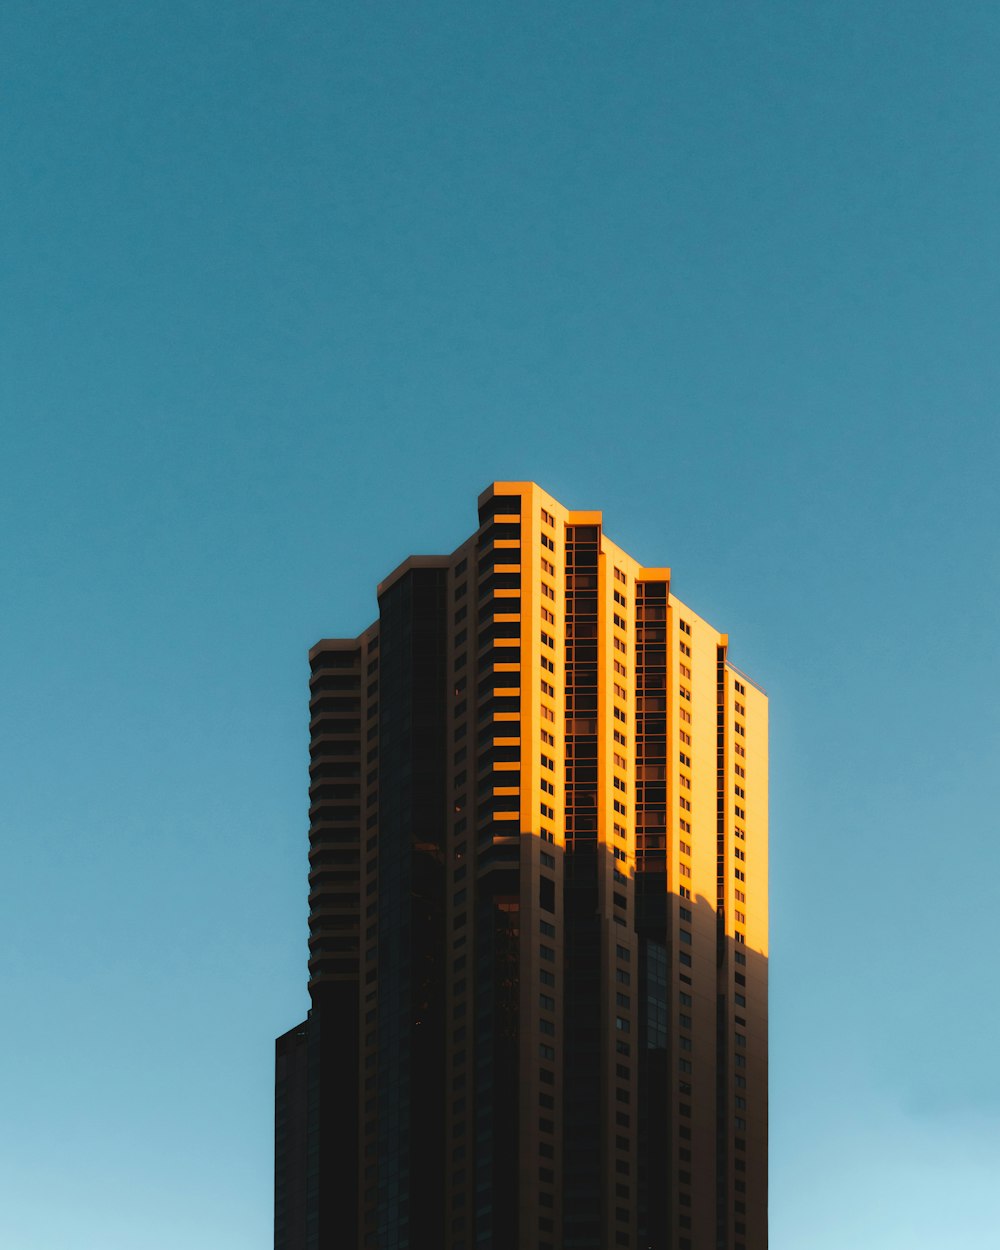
<point x="281" y="289"/>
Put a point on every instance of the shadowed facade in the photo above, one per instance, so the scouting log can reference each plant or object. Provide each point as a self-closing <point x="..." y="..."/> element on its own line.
<point x="538" y="912"/>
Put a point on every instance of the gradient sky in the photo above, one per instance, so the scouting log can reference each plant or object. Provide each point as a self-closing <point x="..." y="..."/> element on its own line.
<point x="282" y="288"/>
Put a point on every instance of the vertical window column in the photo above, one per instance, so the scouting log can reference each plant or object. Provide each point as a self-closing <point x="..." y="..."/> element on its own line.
<point x="582" y="1152"/>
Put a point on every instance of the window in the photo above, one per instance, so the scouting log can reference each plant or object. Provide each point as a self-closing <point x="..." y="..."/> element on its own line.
<point x="684" y="692"/>
<point x="620" y="576"/>
<point x="547" y="738"/>
<point x="548" y="689"/>
<point x="685" y="759"/>
<point x="685" y="627"/>
<point x="547" y="664"/>
<point x="623" y="953"/>
<point x="685" y="671"/>
<point x="685" y="715"/>
<point x="685" y="848"/>
<point x="547" y="591"/>
<point x="619" y="621"/>
<point x="547" y="615"/>
<point x="741" y="710"/>
<point x="548" y="640"/>
<point x="685" y="649"/>
<point x="548" y="543"/>
<point x="548" y="762"/>
<point x="548" y="567"/>
<point x="548" y="518"/>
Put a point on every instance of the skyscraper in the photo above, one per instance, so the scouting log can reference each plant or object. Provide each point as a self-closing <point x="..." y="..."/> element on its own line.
<point x="538" y="912"/>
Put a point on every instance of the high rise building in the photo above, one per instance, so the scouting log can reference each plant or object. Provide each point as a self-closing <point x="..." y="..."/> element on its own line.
<point x="538" y="912"/>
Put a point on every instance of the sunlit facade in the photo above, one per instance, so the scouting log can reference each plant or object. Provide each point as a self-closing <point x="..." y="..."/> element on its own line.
<point x="538" y="912"/>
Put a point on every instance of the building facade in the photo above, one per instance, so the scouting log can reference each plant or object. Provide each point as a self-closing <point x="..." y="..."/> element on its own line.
<point x="538" y="912"/>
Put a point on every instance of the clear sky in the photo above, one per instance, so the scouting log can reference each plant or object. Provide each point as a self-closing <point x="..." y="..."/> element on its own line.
<point x="282" y="288"/>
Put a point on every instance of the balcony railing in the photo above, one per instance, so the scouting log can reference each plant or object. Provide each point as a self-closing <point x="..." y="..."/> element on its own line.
<point x="740" y="673"/>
